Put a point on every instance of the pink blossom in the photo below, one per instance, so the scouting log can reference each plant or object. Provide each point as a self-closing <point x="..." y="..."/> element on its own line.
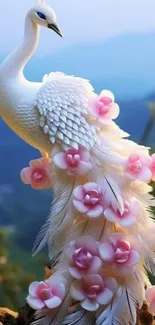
<point x="153" y="167"/>
<point x="83" y="257"/>
<point x="150" y="297"/>
<point x="93" y="291"/>
<point x="75" y="162"/>
<point x="103" y="108"/>
<point x="138" y="166"/>
<point x="88" y="199"/>
<point x="47" y="294"/>
<point x="128" y="217"/>
<point x="37" y="175"/>
<point x="120" y="253"/>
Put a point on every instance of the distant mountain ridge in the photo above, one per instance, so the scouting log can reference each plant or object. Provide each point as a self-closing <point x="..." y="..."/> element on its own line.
<point x="125" y="64"/>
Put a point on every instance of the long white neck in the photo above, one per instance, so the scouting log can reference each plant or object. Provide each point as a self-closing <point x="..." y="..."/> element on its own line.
<point x="14" y="64"/>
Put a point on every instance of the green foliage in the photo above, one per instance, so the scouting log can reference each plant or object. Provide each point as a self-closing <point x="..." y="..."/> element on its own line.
<point x="17" y="271"/>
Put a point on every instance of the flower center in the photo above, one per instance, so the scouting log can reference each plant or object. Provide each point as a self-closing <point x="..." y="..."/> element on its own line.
<point x="45" y="294"/>
<point x="73" y="158"/>
<point x="135" y="164"/>
<point x="38" y="175"/>
<point x="121" y="256"/>
<point x="103" y="105"/>
<point x="93" y="291"/>
<point x="122" y="252"/>
<point x="91" y="198"/>
<point x="82" y="258"/>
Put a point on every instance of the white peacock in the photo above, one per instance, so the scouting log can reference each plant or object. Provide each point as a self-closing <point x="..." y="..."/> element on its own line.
<point x="48" y="112"/>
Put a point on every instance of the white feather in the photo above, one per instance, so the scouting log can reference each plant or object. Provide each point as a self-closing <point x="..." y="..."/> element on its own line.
<point x="62" y="196"/>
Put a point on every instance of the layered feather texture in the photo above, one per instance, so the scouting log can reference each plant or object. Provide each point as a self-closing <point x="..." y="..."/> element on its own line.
<point x="100" y="232"/>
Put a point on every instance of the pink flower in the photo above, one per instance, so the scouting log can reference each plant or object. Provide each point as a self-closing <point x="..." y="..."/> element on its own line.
<point x="37" y="175"/>
<point x="83" y="256"/>
<point x="120" y="254"/>
<point x="46" y="294"/>
<point x="138" y="166"/>
<point x="150" y="297"/>
<point x="93" y="291"/>
<point x="88" y="199"/>
<point x="128" y="217"/>
<point x="103" y="108"/>
<point x="75" y="162"/>
<point x="153" y="167"/>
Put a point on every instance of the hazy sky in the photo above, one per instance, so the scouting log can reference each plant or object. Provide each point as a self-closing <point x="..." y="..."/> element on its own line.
<point x="80" y="21"/>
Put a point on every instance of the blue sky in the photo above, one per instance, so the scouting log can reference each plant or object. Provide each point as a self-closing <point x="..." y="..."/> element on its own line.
<point x="80" y="21"/>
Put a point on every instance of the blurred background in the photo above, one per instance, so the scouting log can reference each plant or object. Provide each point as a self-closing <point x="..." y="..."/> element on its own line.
<point x="111" y="43"/>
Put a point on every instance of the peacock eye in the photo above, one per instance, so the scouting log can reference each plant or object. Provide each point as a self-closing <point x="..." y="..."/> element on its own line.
<point x="41" y="15"/>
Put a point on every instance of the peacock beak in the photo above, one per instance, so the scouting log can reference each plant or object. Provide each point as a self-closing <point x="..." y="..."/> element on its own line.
<point x="55" y="28"/>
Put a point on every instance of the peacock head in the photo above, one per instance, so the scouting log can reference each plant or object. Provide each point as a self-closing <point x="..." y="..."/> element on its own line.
<point x="44" y="15"/>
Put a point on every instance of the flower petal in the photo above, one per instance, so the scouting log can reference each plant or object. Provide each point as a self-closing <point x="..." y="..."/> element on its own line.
<point x="104" y="297"/>
<point x="88" y="243"/>
<point x="110" y="215"/>
<point x="91" y="186"/>
<point x="150" y="294"/>
<point x="75" y="272"/>
<point x="33" y="288"/>
<point x="80" y="206"/>
<point x="127" y="221"/>
<point x="111" y="284"/>
<point x="35" y="303"/>
<point x="78" y="193"/>
<point x="76" y="291"/>
<point x="25" y="175"/>
<point x="107" y="93"/>
<point x="83" y="168"/>
<point x="133" y="258"/>
<point x="90" y="305"/>
<point x="95" y="212"/>
<point x="92" y="279"/>
<point x="95" y="265"/>
<point x="106" y="252"/>
<point x="56" y="279"/>
<point x="145" y="175"/>
<point x="53" y="302"/>
<point x="59" y="290"/>
<point x="114" y="111"/>
<point x="84" y="154"/>
<point x="59" y="161"/>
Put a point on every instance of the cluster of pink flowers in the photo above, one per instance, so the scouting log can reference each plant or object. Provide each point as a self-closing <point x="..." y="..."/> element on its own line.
<point x="87" y="260"/>
<point x="47" y="294"/>
<point x="103" y="108"/>
<point x="89" y="200"/>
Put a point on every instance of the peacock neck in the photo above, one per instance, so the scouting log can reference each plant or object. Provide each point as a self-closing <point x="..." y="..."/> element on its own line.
<point x="14" y="64"/>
